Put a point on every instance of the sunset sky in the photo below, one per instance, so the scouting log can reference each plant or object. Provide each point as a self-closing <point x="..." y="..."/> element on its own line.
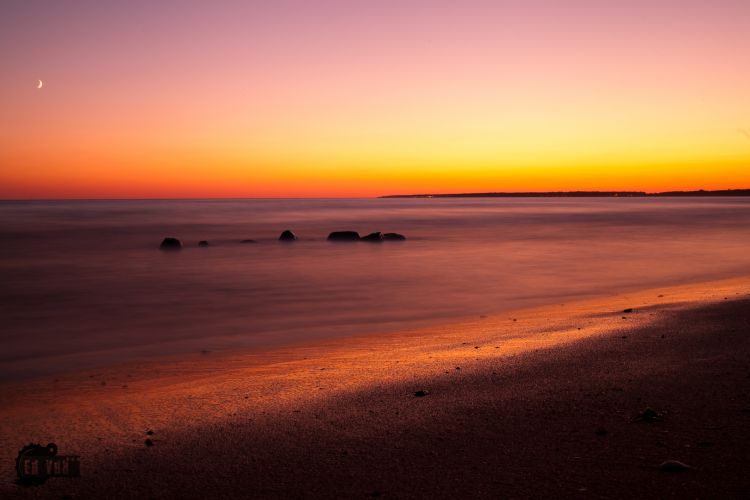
<point x="363" y="98"/>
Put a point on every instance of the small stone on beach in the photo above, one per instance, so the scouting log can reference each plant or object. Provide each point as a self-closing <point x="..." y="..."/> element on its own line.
<point x="649" y="415"/>
<point x="674" y="466"/>
<point x="148" y="442"/>
<point x="421" y="393"/>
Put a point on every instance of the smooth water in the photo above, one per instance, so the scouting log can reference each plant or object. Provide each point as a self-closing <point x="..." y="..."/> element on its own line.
<point x="82" y="283"/>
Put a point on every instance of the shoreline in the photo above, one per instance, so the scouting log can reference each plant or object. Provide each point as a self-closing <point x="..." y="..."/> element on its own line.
<point x="103" y="414"/>
<point x="17" y="372"/>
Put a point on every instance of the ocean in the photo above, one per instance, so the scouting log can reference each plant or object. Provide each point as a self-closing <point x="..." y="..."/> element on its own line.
<point x="84" y="284"/>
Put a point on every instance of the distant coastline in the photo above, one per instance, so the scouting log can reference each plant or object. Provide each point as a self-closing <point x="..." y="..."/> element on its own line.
<point x="577" y="194"/>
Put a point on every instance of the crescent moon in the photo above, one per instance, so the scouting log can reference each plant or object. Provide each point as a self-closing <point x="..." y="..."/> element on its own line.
<point x="39" y="84"/>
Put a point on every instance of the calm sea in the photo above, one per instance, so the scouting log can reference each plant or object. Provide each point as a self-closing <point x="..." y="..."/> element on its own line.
<point x="82" y="283"/>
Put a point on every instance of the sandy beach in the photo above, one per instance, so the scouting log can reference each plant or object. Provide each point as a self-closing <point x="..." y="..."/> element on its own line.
<point x="531" y="403"/>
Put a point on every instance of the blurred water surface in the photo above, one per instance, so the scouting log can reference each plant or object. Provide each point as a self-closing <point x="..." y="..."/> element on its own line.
<point x="83" y="283"/>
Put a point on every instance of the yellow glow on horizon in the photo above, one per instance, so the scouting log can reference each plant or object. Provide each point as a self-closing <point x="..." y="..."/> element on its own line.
<point x="542" y="108"/>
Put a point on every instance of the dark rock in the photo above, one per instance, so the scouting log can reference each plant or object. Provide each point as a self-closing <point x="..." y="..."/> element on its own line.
<point x="288" y="236"/>
<point x="674" y="466"/>
<point x="649" y="415"/>
<point x="376" y="237"/>
<point x="170" y="244"/>
<point x="394" y="237"/>
<point x="343" y="236"/>
<point x="421" y="393"/>
<point x="148" y="442"/>
<point x="149" y="432"/>
<point x="628" y="310"/>
<point x="248" y="241"/>
<point x="202" y="243"/>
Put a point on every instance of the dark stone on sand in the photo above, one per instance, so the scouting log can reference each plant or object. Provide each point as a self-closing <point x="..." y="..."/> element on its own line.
<point x="376" y="237"/>
<point x="203" y="243"/>
<point x="421" y="393"/>
<point x="149" y="432"/>
<point x="343" y="236"/>
<point x="248" y="241"/>
<point x="394" y="237"/>
<point x="288" y="236"/>
<point x="674" y="466"/>
<point x="628" y="310"/>
<point x="649" y="415"/>
<point x="148" y="442"/>
<point x="170" y="244"/>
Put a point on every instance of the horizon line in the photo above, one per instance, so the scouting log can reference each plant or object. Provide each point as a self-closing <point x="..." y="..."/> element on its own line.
<point x="519" y="194"/>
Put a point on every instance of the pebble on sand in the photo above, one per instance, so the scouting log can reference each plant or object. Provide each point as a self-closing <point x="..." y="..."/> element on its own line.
<point x="421" y="393"/>
<point x="649" y="415"/>
<point x="148" y="442"/>
<point x="674" y="466"/>
<point x="628" y="310"/>
<point x="203" y="243"/>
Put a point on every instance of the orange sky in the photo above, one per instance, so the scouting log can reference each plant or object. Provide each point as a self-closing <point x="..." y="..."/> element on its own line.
<point x="335" y="98"/>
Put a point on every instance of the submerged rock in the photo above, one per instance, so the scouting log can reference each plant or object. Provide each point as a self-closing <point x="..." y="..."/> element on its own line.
<point x="203" y="243"/>
<point x="288" y="236"/>
<point x="394" y="237"/>
<point x="376" y="237"/>
<point x="343" y="236"/>
<point x="170" y="244"/>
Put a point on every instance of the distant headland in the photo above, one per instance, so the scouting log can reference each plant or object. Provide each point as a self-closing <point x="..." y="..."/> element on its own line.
<point x="578" y="194"/>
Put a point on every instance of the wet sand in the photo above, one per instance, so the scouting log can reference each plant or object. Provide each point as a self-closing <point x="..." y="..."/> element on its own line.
<point x="532" y="403"/>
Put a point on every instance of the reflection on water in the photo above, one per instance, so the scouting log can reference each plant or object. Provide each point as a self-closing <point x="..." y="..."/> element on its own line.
<point x="83" y="282"/>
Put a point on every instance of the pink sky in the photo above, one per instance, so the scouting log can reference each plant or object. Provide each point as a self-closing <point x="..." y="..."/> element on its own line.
<point x="316" y="98"/>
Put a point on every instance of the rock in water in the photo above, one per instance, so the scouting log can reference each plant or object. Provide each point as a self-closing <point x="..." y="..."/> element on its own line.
<point x="202" y="243"/>
<point x="394" y="237"/>
<point x="288" y="236"/>
<point x="343" y="236"/>
<point x="373" y="237"/>
<point x="170" y="244"/>
<point x="674" y="466"/>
